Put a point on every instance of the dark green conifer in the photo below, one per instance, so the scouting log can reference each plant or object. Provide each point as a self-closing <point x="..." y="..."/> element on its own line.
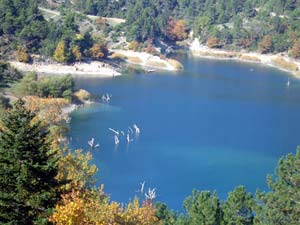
<point x="28" y="188"/>
<point x="203" y="208"/>
<point x="238" y="208"/>
<point x="281" y="205"/>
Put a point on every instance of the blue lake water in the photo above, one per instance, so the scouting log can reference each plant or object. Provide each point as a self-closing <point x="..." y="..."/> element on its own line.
<point x="213" y="126"/>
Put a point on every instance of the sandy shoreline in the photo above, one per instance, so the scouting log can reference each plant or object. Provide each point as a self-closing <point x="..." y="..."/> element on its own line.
<point x="148" y="60"/>
<point x="279" y="61"/>
<point x="100" y="69"/>
<point x="93" y="68"/>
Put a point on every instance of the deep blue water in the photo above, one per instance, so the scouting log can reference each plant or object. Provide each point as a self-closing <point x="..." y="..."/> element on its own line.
<point x="213" y="126"/>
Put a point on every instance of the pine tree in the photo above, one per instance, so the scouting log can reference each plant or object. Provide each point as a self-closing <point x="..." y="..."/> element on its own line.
<point x="28" y="188"/>
<point x="281" y="205"/>
<point x="203" y="208"/>
<point x="238" y="209"/>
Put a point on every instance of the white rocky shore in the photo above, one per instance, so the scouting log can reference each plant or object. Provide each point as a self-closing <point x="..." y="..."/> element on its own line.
<point x="94" y="68"/>
<point x="147" y="60"/>
<point x="280" y="61"/>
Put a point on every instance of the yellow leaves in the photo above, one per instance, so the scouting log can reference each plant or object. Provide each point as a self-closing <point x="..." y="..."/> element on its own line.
<point x="144" y="215"/>
<point x="77" y="53"/>
<point x="76" y="167"/>
<point x="133" y="45"/>
<point x="61" y="53"/>
<point x="48" y="110"/>
<point x="92" y="208"/>
<point x="98" y="51"/>
<point x="23" y="56"/>
<point x="82" y="95"/>
<point x="79" y="37"/>
<point x="71" y="211"/>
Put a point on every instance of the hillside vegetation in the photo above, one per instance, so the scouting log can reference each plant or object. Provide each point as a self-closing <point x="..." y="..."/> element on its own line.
<point x="64" y="31"/>
<point x="264" y="25"/>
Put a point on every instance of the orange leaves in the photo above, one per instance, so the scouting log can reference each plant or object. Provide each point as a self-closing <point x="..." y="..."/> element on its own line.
<point x="295" y="50"/>
<point x="213" y="42"/>
<point x="266" y="45"/>
<point x="176" y="30"/>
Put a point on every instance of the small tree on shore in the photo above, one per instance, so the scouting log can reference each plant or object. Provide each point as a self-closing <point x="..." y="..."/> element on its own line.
<point x="23" y="56"/>
<point x="213" y="42"/>
<point x="77" y="53"/>
<point x="133" y="45"/>
<point x="266" y="45"/>
<point x="61" y="53"/>
<point x="98" y="51"/>
<point x="176" y="30"/>
<point x="295" y="51"/>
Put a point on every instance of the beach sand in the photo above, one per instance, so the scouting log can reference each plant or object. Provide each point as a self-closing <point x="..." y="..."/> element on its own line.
<point x="147" y="60"/>
<point x="280" y="61"/>
<point x="93" y="68"/>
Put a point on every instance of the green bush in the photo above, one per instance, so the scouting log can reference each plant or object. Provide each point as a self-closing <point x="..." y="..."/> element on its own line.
<point x="8" y="74"/>
<point x="57" y="87"/>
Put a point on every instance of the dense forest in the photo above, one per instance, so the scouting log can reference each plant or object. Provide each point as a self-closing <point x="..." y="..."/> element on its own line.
<point x="24" y="29"/>
<point x="267" y="26"/>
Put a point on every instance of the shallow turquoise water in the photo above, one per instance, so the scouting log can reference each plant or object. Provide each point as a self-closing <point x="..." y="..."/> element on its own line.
<point x="213" y="126"/>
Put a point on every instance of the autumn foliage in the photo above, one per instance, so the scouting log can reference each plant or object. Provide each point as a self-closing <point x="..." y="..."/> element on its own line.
<point x="98" y="51"/>
<point x="213" y="42"/>
<point x="76" y="53"/>
<point x="176" y="30"/>
<point x="133" y="45"/>
<point x="94" y="208"/>
<point x="81" y="95"/>
<point x="48" y="110"/>
<point x="75" y="166"/>
<point x="61" y="53"/>
<point x="265" y="46"/>
<point x="295" y="51"/>
<point x="23" y="56"/>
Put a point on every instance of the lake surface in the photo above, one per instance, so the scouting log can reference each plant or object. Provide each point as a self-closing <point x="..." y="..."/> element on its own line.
<point x="213" y="126"/>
